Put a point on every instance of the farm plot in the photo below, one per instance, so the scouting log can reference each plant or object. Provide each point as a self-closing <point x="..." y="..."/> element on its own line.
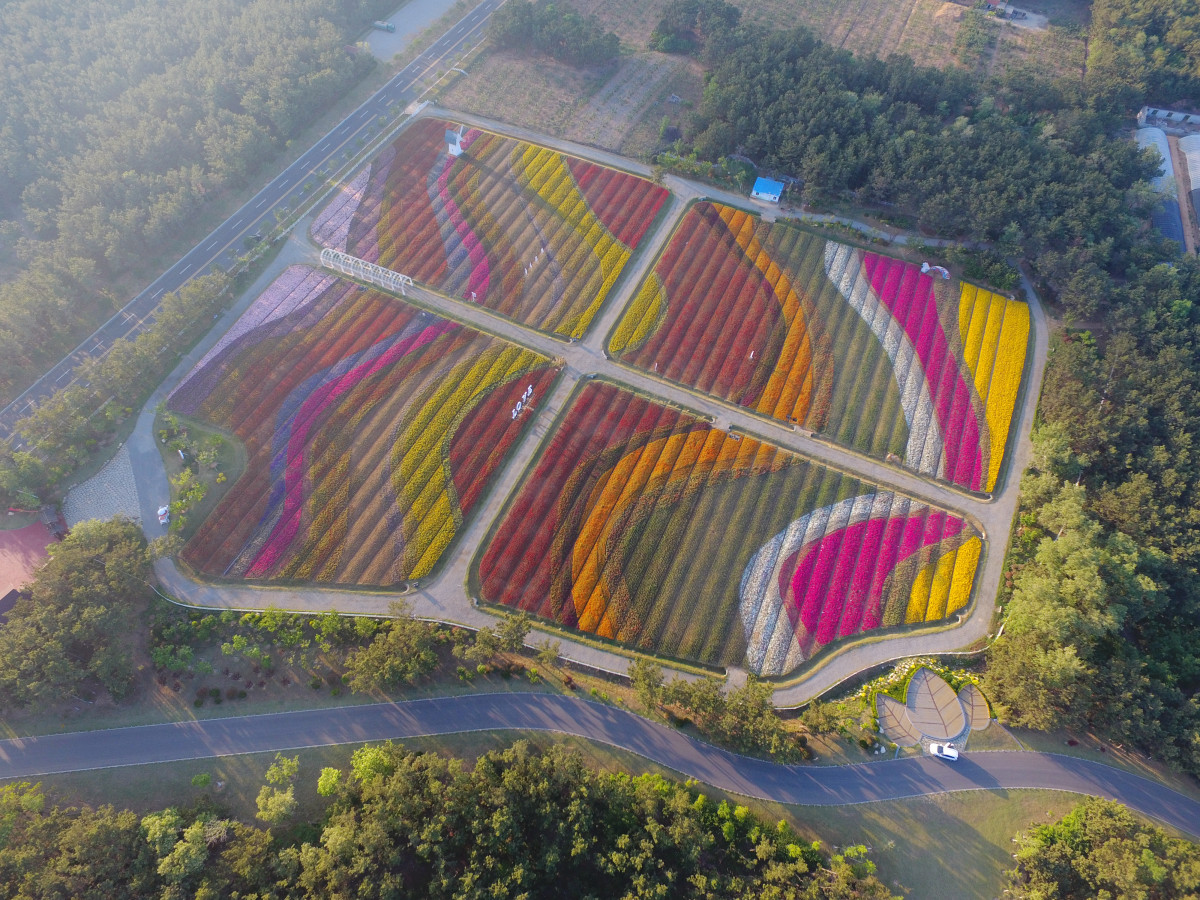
<point x="645" y="525"/>
<point x="371" y="429"/>
<point x="531" y="233"/>
<point x="858" y="346"/>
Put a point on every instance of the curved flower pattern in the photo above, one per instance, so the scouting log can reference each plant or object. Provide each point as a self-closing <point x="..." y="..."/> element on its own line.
<point x="370" y="427"/>
<point x="924" y="453"/>
<point x="526" y="231"/>
<point x="640" y="519"/>
<point x="825" y="576"/>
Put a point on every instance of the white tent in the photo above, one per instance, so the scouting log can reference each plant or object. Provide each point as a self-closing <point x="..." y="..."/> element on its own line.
<point x="1157" y="138"/>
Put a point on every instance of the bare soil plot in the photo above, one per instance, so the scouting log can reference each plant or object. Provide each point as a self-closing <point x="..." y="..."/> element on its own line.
<point x="611" y="113"/>
<point x="1059" y="50"/>
<point x="540" y="93"/>
<point x="687" y="83"/>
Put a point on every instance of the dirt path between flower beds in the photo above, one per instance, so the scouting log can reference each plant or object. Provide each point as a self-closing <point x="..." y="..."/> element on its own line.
<point x="444" y="597"/>
<point x="806" y="785"/>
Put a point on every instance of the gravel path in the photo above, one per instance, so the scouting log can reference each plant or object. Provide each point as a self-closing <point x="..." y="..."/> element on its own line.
<point x="110" y="492"/>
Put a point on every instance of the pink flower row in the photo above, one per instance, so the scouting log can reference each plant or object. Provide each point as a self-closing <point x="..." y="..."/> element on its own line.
<point x="909" y="296"/>
<point x="837" y="585"/>
<point x="480" y="277"/>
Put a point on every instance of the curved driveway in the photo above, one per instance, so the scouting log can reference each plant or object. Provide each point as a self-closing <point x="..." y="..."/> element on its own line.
<point x="809" y="785"/>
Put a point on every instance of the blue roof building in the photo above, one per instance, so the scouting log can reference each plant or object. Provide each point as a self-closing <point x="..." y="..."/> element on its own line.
<point x="766" y="189"/>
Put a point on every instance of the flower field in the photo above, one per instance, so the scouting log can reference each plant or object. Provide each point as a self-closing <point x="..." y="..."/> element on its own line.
<point x="645" y="525"/>
<point x="536" y="235"/>
<point x="371" y="429"/>
<point x="861" y="347"/>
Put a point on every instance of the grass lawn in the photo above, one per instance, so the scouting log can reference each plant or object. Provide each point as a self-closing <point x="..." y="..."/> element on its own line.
<point x="1090" y="746"/>
<point x="955" y="845"/>
<point x="217" y="477"/>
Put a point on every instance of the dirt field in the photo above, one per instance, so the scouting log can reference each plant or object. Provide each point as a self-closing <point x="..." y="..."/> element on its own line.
<point x="611" y="113"/>
<point x="539" y="94"/>
<point x="622" y="108"/>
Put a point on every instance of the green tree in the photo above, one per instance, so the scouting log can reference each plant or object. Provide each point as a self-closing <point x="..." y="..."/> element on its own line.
<point x="1100" y="850"/>
<point x="81" y="623"/>
<point x="647" y="681"/>
<point x="403" y="652"/>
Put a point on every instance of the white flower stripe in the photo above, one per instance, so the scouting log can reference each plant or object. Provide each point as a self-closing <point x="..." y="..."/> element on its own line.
<point x="843" y="266"/>
<point x="332" y="227"/>
<point x="772" y="647"/>
<point x="295" y="288"/>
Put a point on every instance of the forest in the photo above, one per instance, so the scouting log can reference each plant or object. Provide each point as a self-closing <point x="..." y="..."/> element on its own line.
<point x="1102" y="601"/>
<point x="400" y="824"/>
<point x="556" y="31"/>
<point x="1099" y="849"/>
<point x="122" y="122"/>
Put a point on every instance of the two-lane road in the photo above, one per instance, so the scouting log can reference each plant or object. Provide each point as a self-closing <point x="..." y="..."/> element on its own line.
<point x="223" y="245"/>
<point x="810" y="785"/>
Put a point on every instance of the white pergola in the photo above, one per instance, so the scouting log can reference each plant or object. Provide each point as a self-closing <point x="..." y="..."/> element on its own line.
<point x="362" y="270"/>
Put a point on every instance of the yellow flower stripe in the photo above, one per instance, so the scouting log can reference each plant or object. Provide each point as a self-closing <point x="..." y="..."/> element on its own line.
<point x="546" y="173"/>
<point x="788" y="392"/>
<point x="642" y="316"/>
<point x="420" y="469"/>
<point x="995" y="333"/>
<point x="931" y="585"/>
<point x="972" y="320"/>
<point x="943" y="586"/>
<point x="965" y="565"/>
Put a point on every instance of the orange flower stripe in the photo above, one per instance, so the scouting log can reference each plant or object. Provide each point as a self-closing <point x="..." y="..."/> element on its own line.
<point x="700" y="455"/>
<point x="788" y="392"/>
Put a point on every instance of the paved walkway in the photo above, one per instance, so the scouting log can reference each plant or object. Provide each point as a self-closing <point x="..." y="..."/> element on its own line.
<point x="808" y="785"/>
<point x="444" y="596"/>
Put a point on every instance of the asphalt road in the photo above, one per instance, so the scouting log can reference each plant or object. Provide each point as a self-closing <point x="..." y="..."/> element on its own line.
<point x="809" y="785"/>
<point x="224" y="244"/>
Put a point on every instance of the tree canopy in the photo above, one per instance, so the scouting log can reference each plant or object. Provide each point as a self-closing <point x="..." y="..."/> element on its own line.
<point x="1100" y="850"/>
<point x="557" y="31"/>
<point x="519" y="824"/>
<point x="81" y="620"/>
<point x="122" y="120"/>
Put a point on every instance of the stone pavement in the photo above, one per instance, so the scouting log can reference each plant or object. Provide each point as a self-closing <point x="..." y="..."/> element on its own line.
<point x="110" y="492"/>
<point x="444" y="596"/>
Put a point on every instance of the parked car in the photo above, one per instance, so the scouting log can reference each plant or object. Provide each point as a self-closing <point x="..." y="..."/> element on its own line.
<point x="943" y="751"/>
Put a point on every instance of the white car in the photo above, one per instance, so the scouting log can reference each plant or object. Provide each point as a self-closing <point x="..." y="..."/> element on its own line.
<point x="944" y="751"/>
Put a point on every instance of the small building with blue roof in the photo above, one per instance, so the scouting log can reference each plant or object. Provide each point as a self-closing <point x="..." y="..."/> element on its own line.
<point x="766" y="189"/>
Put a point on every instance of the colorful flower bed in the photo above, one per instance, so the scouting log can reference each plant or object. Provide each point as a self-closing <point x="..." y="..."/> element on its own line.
<point x="858" y="346"/>
<point x="645" y="525"/>
<point x="536" y="235"/>
<point x="371" y="429"/>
